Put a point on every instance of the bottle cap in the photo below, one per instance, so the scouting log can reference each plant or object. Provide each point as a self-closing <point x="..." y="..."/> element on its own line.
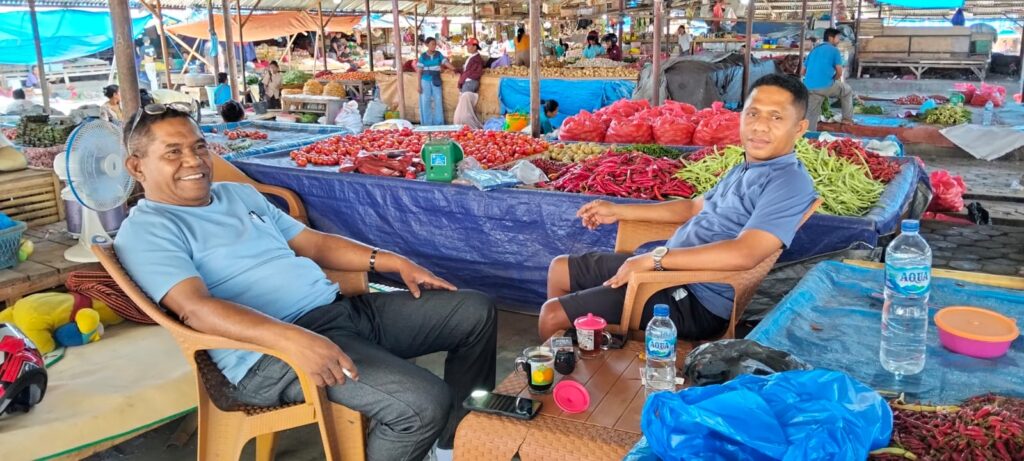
<point x="661" y="310"/>
<point x="910" y="225"/>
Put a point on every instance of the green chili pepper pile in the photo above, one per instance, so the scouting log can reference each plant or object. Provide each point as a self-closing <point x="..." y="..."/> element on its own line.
<point x="846" y="187"/>
<point x="654" y="150"/>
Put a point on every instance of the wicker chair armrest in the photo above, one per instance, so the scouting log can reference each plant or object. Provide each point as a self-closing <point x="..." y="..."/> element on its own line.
<point x="643" y="285"/>
<point x="295" y="207"/>
<point x="350" y="283"/>
<point x="634" y="234"/>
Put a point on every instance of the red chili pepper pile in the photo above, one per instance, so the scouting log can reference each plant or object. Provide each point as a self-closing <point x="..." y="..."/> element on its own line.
<point x="550" y="167"/>
<point x="917" y="100"/>
<point x="632" y="175"/>
<point x="880" y="168"/>
<point x="696" y="156"/>
<point x="983" y="428"/>
<point x="240" y="133"/>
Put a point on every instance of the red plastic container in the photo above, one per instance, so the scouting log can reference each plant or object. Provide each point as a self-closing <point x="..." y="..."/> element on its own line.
<point x="975" y="332"/>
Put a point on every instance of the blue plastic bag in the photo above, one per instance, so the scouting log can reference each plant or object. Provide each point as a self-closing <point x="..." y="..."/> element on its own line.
<point x="795" y="415"/>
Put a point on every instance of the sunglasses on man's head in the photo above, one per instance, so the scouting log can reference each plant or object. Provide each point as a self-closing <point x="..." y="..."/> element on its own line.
<point x="157" y="109"/>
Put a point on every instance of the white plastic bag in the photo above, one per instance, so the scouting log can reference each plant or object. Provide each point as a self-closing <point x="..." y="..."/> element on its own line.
<point x="349" y="117"/>
<point x="374" y="112"/>
<point x="528" y="173"/>
<point x="393" y="124"/>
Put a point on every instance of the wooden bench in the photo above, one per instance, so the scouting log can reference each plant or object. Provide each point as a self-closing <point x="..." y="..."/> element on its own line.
<point x="978" y="65"/>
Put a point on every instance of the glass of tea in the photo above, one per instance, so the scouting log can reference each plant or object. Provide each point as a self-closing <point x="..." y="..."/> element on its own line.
<point x="592" y="336"/>
<point x="538" y="364"/>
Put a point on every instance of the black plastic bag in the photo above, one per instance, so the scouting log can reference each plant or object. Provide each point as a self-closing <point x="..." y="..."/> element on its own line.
<point x="978" y="214"/>
<point x="721" y="361"/>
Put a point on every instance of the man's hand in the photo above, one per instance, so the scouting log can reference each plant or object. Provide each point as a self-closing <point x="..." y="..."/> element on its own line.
<point x="419" y="88"/>
<point x="638" y="263"/>
<point x="415" y="275"/>
<point x="321" y="358"/>
<point x="597" y="213"/>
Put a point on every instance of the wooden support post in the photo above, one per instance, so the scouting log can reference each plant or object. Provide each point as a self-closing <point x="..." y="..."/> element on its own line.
<point x="163" y="43"/>
<point x="214" y="44"/>
<point x="241" y="46"/>
<point x="856" y="38"/>
<point x="535" y="29"/>
<point x="230" y="58"/>
<point x="1020" y="69"/>
<point x="44" y="85"/>
<point x="191" y="53"/>
<point x="124" y="53"/>
<point x="803" y="38"/>
<point x="622" y="17"/>
<point x="832" y="14"/>
<point x="288" y="47"/>
<point x="659" y="11"/>
<point x="323" y="37"/>
<point x="474" y="19"/>
<point x="396" y="33"/>
<point x="746" y="52"/>
<point x="416" y="28"/>
<point x="369" y="34"/>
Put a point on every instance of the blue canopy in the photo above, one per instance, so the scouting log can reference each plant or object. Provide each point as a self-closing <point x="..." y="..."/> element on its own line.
<point x="65" y="34"/>
<point x="924" y="4"/>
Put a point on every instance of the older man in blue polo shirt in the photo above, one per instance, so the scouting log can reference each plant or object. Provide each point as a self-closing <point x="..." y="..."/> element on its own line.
<point x="752" y="212"/>
<point x="229" y="263"/>
<point x="823" y="75"/>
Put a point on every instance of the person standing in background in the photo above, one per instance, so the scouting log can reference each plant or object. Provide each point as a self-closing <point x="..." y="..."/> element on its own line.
<point x="473" y="69"/>
<point x="111" y="110"/>
<point x="428" y="68"/>
<point x="272" y="85"/>
<point x="522" y="48"/>
<point x="684" y="40"/>
<point x="32" y="80"/>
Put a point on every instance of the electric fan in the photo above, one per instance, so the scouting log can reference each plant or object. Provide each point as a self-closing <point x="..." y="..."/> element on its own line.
<point x="95" y="172"/>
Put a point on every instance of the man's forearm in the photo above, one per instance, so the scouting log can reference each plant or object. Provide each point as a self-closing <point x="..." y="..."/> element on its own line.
<point x="233" y="321"/>
<point x="725" y="255"/>
<point x="347" y="255"/>
<point x="672" y="211"/>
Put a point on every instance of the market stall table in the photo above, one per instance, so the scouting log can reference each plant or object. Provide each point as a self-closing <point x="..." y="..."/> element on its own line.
<point x="279" y="135"/>
<point x="607" y="430"/>
<point x="319" y="104"/>
<point x="831" y="320"/>
<point x="502" y="241"/>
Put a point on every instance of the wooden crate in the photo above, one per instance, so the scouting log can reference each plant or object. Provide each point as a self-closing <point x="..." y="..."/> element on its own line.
<point x="32" y="196"/>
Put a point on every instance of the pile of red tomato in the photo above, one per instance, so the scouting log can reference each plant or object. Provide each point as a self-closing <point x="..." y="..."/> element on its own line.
<point x="240" y="133"/>
<point x="490" y="148"/>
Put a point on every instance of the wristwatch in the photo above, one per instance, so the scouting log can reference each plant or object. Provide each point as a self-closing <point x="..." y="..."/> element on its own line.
<point x="659" y="254"/>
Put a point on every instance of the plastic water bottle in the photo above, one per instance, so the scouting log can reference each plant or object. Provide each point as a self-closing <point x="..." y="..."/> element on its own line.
<point x="908" y="270"/>
<point x="660" y="370"/>
<point x="986" y="117"/>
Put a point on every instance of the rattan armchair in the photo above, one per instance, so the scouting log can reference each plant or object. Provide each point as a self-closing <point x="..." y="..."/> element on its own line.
<point x="643" y="285"/>
<point x="225" y="424"/>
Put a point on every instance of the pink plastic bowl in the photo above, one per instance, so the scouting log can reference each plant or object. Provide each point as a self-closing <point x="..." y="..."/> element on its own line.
<point x="975" y="332"/>
<point x="973" y="348"/>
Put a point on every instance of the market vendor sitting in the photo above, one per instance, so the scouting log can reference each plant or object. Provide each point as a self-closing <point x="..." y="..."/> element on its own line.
<point x="231" y="112"/>
<point x="230" y="264"/>
<point x="611" y="47"/>
<point x="752" y="212"/>
<point x="222" y="93"/>
<point x="550" y="111"/>
<point x="823" y="75"/>
<point x="473" y="69"/>
<point x="592" y="49"/>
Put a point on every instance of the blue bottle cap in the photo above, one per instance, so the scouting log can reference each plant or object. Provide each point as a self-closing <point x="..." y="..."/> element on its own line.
<point x="910" y="225"/>
<point x="661" y="310"/>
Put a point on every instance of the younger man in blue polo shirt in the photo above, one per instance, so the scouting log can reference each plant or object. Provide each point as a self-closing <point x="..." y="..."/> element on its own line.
<point x="823" y="75"/>
<point x="752" y="212"/>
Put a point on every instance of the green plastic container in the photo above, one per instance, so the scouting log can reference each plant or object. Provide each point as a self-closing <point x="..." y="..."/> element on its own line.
<point x="956" y="98"/>
<point x="441" y="157"/>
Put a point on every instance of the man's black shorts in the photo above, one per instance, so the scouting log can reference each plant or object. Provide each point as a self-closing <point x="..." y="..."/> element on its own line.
<point x="587" y="274"/>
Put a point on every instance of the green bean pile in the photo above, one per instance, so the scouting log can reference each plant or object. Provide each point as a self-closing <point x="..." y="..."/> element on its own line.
<point x="705" y="173"/>
<point x="846" y="187"/>
<point x="654" y="150"/>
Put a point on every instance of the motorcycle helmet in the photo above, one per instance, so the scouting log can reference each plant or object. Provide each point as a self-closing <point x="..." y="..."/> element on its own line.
<point x="22" y="371"/>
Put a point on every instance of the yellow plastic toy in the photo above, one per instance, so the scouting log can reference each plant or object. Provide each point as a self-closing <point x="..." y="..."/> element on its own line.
<point x="60" y="319"/>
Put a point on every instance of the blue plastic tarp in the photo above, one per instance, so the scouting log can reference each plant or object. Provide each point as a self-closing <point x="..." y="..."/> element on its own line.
<point x="280" y="136"/>
<point x="832" y="320"/>
<point x="63" y="34"/>
<point x="572" y="95"/>
<point x="502" y="241"/>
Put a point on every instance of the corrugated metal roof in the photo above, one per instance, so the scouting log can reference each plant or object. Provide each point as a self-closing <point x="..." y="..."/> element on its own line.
<point x="778" y="9"/>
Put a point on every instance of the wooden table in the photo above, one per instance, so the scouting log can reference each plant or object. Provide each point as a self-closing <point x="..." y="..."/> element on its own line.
<point x="607" y="430"/>
<point x="45" y="269"/>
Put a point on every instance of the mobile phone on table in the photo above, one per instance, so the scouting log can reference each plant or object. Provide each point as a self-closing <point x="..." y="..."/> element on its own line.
<point x="507" y="405"/>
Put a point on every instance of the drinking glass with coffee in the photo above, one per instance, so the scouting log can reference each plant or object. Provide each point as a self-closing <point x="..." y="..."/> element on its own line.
<point x="538" y="363"/>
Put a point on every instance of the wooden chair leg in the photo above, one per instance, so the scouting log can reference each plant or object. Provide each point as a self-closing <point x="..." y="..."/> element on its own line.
<point x="342" y="431"/>
<point x="265" y="444"/>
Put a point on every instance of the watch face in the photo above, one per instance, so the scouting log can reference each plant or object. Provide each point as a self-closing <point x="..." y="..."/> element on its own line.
<point x="660" y="251"/>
